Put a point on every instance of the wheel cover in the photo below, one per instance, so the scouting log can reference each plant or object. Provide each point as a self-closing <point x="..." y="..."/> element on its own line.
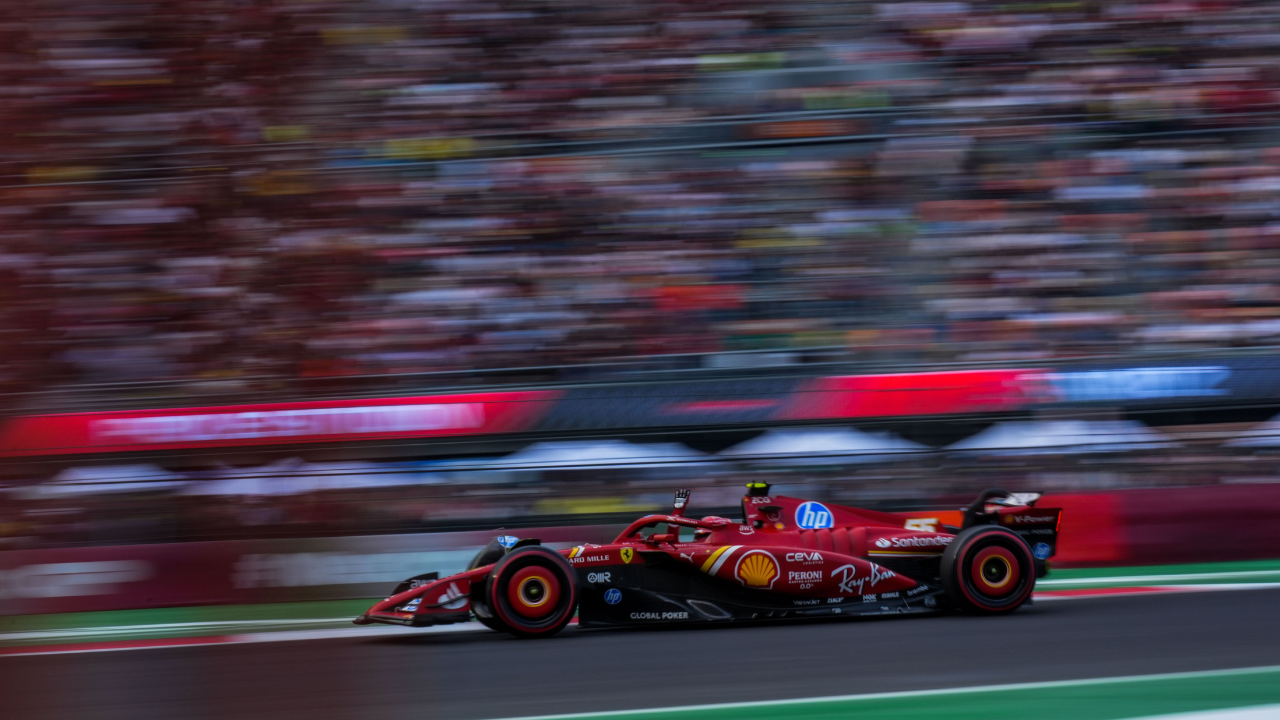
<point x="534" y="592"/>
<point x="994" y="571"/>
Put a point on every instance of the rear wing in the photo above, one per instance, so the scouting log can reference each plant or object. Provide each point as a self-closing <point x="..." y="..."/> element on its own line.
<point x="1014" y="511"/>
<point x="1018" y="512"/>
<point x="1038" y="526"/>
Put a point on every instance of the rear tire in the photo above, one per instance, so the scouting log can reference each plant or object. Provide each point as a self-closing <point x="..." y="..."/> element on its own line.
<point x="532" y="592"/>
<point x="988" y="570"/>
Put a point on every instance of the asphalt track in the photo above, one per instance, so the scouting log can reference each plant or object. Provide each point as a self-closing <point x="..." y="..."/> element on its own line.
<point x="485" y="675"/>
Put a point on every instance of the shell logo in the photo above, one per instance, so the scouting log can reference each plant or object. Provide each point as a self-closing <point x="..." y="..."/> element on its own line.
<point x="757" y="569"/>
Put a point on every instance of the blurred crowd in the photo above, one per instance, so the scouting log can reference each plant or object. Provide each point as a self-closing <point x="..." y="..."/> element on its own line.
<point x="214" y="191"/>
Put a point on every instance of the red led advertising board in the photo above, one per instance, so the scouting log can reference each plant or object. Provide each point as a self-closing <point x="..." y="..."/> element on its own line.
<point x="274" y="423"/>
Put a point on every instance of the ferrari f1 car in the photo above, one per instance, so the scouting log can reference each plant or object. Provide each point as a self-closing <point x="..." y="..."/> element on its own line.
<point x="788" y="558"/>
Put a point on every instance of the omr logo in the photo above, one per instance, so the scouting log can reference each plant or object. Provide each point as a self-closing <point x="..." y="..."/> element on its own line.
<point x="814" y="516"/>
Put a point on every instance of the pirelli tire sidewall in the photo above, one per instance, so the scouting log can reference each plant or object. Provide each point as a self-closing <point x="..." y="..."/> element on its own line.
<point x="962" y="565"/>
<point x="542" y="569"/>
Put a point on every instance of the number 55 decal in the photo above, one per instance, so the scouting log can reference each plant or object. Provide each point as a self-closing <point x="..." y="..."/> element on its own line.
<point x="925" y="524"/>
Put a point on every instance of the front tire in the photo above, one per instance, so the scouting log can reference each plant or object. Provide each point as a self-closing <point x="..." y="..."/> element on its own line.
<point x="988" y="570"/>
<point x="488" y="555"/>
<point x="532" y="592"/>
<point x="484" y="613"/>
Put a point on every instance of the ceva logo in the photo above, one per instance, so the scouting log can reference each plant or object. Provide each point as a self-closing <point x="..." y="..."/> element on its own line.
<point x="814" y="516"/>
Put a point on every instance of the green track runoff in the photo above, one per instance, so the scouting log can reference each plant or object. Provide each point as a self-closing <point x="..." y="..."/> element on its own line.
<point x="1243" y="571"/>
<point x="198" y="621"/>
<point x="1097" y="699"/>
<point x="178" y="622"/>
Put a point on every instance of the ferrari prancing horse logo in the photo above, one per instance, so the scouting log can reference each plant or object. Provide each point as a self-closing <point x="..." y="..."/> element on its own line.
<point x="627" y="554"/>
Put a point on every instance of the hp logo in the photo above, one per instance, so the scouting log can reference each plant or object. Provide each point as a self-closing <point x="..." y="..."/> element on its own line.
<point x="1042" y="551"/>
<point x="814" y="516"/>
<point x="613" y="596"/>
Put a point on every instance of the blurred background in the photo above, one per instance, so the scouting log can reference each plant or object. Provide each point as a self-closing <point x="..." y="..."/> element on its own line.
<point x="314" y="295"/>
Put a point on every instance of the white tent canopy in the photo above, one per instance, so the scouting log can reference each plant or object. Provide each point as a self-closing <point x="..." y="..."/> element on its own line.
<point x="823" y="446"/>
<point x="1266" y="434"/>
<point x="1063" y="436"/>
<point x="362" y="475"/>
<point x="98" y="480"/>
<point x="277" y="478"/>
<point x="293" y="476"/>
<point x="593" y="454"/>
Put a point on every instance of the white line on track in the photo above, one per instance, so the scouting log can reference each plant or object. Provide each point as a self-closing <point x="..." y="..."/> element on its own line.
<point x="160" y="627"/>
<point x="1259" y="712"/>
<point x="90" y="635"/>
<point x="248" y="638"/>
<point x="916" y="693"/>
<point x="1146" y="590"/>
<point x="1150" y="579"/>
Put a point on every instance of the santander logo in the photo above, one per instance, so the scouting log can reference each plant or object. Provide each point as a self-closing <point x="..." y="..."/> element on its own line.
<point x="935" y="542"/>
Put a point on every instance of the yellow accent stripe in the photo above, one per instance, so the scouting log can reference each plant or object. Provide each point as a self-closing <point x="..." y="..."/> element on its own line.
<point x="711" y="560"/>
<point x="723" y="559"/>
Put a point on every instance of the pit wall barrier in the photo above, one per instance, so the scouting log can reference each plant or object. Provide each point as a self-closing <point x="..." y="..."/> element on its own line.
<point x="1129" y="527"/>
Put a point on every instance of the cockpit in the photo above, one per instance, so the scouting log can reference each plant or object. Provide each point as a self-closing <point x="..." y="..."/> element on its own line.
<point x="661" y="529"/>
<point x="673" y="528"/>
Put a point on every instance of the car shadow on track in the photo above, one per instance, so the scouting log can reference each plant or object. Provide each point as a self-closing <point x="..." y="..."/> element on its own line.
<point x="484" y="636"/>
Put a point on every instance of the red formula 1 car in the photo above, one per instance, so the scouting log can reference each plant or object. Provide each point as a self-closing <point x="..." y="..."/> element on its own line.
<point x="788" y="558"/>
